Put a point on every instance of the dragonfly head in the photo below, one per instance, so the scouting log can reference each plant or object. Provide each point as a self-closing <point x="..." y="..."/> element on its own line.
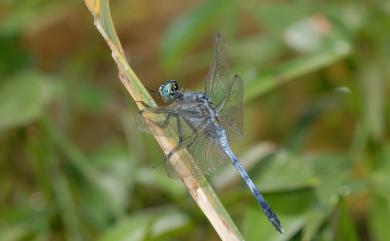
<point x="169" y="90"/>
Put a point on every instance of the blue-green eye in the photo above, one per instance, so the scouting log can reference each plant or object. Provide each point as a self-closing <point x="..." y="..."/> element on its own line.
<point x="168" y="90"/>
<point x="163" y="90"/>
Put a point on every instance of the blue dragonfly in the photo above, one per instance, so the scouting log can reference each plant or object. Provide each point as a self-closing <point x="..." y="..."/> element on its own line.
<point x="203" y="122"/>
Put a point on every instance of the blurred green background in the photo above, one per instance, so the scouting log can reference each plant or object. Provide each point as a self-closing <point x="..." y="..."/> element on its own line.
<point x="73" y="166"/>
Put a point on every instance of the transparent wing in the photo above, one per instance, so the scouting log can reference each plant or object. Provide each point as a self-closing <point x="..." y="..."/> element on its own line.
<point x="218" y="79"/>
<point x="174" y="118"/>
<point x="205" y="150"/>
<point x="158" y="118"/>
<point x="226" y="93"/>
<point x="230" y="110"/>
<point x="165" y="117"/>
<point x="206" y="153"/>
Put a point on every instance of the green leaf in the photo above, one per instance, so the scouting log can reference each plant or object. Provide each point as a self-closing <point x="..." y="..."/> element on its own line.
<point x="299" y="202"/>
<point x="289" y="165"/>
<point x="292" y="69"/>
<point x="345" y="229"/>
<point x="147" y="225"/>
<point x="158" y="179"/>
<point x="379" y="218"/>
<point x="189" y="28"/>
<point x="14" y="232"/>
<point x="245" y="54"/>
<point x="248" y="54"/>
<point x="373" y="86"/>
<point x="22" y="15"/>
<point x="257" y="227"/>
<point x="90" y="97"/>
<point x="13" y="57"/>
<point x="315" y="217"/>
<point x="332" y="171"/>
<point x="276" y="16"/>
<point x="23" y="98"/>
<point x="113" y="181"/>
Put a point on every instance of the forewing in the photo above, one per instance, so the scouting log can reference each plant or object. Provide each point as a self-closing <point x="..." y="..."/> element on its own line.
<point x="217" y="80"/>
<point x="230" y="110"/>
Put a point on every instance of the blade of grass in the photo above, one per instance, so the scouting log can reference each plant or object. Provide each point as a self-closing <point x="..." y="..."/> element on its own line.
<point x="198" y="186"/>
<point x="59" y="182"/>
<point x="295" y="68"/>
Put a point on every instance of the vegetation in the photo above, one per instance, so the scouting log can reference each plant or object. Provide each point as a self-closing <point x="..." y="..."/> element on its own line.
<point x="73" y="165"/>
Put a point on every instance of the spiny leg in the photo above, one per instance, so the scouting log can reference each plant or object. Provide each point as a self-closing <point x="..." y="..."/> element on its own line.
<point x="166" y="121"/>
<point x="181" y="143"/>
<point x="186" y="143"/>
<point x="179" y="129"/>
<point x="156" y="110"/>
<point x="143" y="103"/>
<point x="190" y="140"/>
<point x="163" y="111"/>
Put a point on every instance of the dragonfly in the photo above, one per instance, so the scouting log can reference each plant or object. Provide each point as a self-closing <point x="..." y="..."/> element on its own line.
<point x="205" y="122"/>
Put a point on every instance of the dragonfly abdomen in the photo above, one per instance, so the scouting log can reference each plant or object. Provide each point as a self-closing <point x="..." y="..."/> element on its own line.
<point x="248" y="181"/>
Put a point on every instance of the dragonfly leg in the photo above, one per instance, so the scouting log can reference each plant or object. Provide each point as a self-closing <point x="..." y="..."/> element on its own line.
<point x="166" y="121"/>
<point x="165" y="124"/>
<point x="179" y="129"/>
<point x="167" y="113"/>
<point x="143" y="103"/>
<point x="184" y="144"/>
<point x="190" y="140"/>
<point x="157" y="110"/>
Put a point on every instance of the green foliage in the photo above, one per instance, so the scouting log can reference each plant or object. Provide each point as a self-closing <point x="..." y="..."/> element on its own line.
<point x="186" y="31"/>
<point x="148" y="225"/>
<point x="23" y="98"/>
<point x="73" y="165"/>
